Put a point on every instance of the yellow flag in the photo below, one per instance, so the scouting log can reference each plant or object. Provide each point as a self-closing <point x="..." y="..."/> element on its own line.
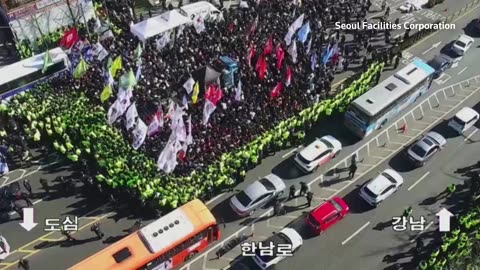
<point x="106" y="93"/>
<point x="116" y="65"/>
<point x="196" y="91"/>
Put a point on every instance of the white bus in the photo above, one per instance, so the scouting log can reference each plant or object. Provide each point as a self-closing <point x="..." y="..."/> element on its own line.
<point x="373" y="109"/>
<point x="23" y="75"/>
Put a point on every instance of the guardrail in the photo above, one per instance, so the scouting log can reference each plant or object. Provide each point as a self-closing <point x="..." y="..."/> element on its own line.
<point x="433" y="102"/>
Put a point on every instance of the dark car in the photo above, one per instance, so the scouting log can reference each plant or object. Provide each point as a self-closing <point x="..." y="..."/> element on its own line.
<point x="440" y="63"/>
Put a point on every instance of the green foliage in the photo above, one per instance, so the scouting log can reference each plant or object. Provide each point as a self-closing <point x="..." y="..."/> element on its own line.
<point x="78" y="129"/>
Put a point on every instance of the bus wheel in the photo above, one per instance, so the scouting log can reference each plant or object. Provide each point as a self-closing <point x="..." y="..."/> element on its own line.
<point x="190" y="256"/>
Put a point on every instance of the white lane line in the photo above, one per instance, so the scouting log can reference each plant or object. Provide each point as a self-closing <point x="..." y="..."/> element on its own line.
<point x="418" y="181"/>
<point x="291" y="151"/>
<point x="268" y="212"/>
<point x="424" y="230"/>
<point x="214" y="198"/>
<point x="461" y="71"/>
<point x="355" y="233"/>
<point x="30" y="173"/>
<point x="331" y="189"/>
<point x="471" y="134"/>
<point x="35" y="202"/>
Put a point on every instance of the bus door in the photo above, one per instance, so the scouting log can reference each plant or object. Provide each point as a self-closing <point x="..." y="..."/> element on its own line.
<point x="213" y="234"/>
<point x="166" y="265"/>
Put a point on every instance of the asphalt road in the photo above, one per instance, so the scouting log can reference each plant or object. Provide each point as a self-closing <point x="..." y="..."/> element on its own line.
<point x="39" y="244"/>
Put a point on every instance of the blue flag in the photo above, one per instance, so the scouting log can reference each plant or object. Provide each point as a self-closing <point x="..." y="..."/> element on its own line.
<point x="313" y="60"/>
<point x="329" y="53"/>
<point x="303" y="32"/>
<point x="325" y="55"/>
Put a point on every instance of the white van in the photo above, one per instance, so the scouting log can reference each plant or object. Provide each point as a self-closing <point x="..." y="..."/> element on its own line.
<point x="464" y="119"/>
<point x="204" y="9"/>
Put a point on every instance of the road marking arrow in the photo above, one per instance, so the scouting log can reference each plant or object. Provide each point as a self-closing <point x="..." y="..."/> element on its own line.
<point x="444" y="220"/>
<point x="28" y="219"/>
<point x="433" y="47"/>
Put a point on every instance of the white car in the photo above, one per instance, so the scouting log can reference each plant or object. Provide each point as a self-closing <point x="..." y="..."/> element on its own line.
<point x="462" y="44"/>
<point x="381" y="187"/>
<point x="286" y="242"/>
<point x="257" y="194"/>
<point x="425" y="148"/>
<point x="318" y="153"/>
<point x="463" y="120"/>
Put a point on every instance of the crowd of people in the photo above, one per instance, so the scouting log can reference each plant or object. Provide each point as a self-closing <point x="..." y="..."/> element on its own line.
<point x="235" y="123"/>
<point x="249" y="36"/>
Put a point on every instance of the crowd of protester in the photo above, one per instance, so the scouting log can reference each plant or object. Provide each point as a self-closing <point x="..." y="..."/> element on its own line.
<point x="234" y="123"/>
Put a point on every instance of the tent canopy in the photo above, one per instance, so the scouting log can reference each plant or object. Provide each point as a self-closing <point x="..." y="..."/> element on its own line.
<point x="158" y="24"/>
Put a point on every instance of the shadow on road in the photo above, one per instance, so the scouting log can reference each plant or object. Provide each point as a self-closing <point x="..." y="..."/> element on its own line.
<point x="287" y="170"/>
<point x="400" y="162"/>
<point x="355" y="202"/>
<point x="443" y="129"/>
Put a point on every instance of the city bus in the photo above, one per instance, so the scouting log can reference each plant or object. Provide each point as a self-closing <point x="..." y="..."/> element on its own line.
<point x="163" y="244"/>
<point x="376" y="107"/>
<point x="24" y="74"/>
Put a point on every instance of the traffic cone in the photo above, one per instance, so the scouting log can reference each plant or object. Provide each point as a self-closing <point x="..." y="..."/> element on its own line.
<point x="403" y="128"/>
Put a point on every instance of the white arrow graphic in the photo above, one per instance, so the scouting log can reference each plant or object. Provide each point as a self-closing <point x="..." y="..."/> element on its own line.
<point x="28" y="223"/>
<point x="433" y="47"/>
<point x="444" y="220"/>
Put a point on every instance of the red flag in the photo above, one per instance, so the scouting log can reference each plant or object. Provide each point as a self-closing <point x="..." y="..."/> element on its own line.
<point x="250" y="55"/>
<point x="231" y="27"/>
<point x="69" y="38"/>
<point x="268" y="46"/>
<point x="261" y="67"/>
<point x="277" y="90"/>
<point x="253" y="27"/>
<point x="214" y="94"/>
<point x="280" y="56"/>
<point x="289" y="78"/>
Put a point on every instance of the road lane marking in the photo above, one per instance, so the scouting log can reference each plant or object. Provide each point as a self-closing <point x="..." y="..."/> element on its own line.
<point x="214" y="198"/>
<point x="331" y="189"/>
<point x="461" y="71"/>
<point x="418" y="181"/>
<point x="355" y="233"/>
<point x="35" y="202"/>
<point x="424" y="230"/>
<point x="5" y="180"/>
<point x="204" y="255"/>
<point x="30" y="173"/>
<point x="471" y="134"/>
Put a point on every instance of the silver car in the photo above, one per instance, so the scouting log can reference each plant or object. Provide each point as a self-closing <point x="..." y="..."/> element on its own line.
<point x="257" y="194"/>
<point x="425" y="148"/>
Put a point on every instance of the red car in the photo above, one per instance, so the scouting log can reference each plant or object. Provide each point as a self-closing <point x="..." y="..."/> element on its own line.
<point x="327" y="214"/>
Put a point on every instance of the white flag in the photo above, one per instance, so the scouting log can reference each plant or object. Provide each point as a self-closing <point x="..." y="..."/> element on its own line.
<point x="131" y="116"/>
<point x="288" y="36"/>
<point x="168" y="158"/>
<point x="153" y="127"/>
<point x="185" y="102"/>
<point x="199" y="24"/>
<point x="293" y="51"/>
<point x="309" y="45"/>
<point x="207" y="111"/>
<point x="139" y="72"/>
<point x="238" y="91"/>
<point x="124" y="97"/>
<point x="180" y="131"/>
<point x="188" y="85"/>
<point x="189" y="136"/>
<point x="171" y="110"/>
<point x="139" y="134"/>
<point x="163" y="41"/>
<point x="99" y="51"/>
<point x="297" y="23"/>
<point x="114" y="112"/>
<point x="180" y="30"/>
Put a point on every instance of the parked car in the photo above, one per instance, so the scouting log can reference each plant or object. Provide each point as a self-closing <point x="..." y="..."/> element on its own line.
<point x="257" y="194"/>
<point x="463" y="120"/>
<point x="440" y="63"/>
<point x="327" y="214"/>
<point x="425" y="148"/>
<point x="381" y="187"/>
<point x="287" y="238"/>
<point x="476" y="25"/>
<point x="412" y="5"/>
<point x="462" y="44"/>
<point x="318" y="153"/>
